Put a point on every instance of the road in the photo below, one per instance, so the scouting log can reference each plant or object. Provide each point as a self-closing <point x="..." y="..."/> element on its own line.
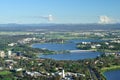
<point x="94" y="74"/>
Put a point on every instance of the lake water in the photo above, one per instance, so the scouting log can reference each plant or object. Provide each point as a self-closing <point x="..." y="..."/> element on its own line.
<point x="72" y="56"/>
<point x="112" y="75"/>
<point x="55" y="46"/>
<point x="70" y="45"/>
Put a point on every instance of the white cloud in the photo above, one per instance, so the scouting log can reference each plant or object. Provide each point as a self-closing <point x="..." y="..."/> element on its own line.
<point x="50" y="17"/>
<point x="105" y="20"/>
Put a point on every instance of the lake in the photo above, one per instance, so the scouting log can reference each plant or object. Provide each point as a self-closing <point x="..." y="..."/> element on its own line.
<point x="69" y="45"/>
<point x="56" y="46"/>
<point x="72" y="56"/>
<point x="112" y="75"/>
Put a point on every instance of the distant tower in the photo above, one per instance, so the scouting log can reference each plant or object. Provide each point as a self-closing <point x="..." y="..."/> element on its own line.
<point x="63" y="73"/>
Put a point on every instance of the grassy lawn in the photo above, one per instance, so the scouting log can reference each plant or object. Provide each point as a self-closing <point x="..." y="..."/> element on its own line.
<point x="110" y="68"/>
<point x="107" y="69"/>
<point x="5" y="72"/>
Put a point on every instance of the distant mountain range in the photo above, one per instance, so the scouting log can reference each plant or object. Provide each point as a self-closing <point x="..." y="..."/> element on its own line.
<point x="58" y="27"/>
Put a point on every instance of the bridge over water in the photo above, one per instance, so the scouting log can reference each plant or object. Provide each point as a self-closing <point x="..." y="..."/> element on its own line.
<point x="76" y="51"/>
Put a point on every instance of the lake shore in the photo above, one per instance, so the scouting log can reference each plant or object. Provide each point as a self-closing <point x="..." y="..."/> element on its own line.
<point x="105" y="69"/>
<point x="110" y="68"/>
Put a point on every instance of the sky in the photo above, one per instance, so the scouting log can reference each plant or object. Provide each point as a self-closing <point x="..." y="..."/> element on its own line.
<point x="59" y="11"/>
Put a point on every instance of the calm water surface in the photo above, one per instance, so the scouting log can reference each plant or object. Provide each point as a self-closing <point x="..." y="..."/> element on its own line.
<point x="55" y="46"/>
<point x="70" y="45"/>
<point x="72" y="56"/>
<point x="112" y="75"/>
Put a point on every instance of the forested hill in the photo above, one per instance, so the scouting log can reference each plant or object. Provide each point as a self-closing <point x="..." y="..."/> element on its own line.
<point x="58" y="27"/>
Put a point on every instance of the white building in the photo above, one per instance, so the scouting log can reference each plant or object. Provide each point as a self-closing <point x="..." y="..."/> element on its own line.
<point x="93" y="46"/>
<point x="63" y="73"/>
<point x="12" y="44"/>
<point x="2" y="54"/>
<point x="9" y="54"/>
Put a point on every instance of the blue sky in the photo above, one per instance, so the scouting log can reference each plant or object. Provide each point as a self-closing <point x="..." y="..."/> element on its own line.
<point x="62" y="11"/>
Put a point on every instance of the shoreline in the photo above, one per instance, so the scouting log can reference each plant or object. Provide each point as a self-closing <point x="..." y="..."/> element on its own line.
<point x="105" y="69"/>
<point x="110" y="68"/>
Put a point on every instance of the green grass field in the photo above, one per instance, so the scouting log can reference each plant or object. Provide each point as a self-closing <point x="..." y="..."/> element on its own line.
<point x="5" y="72"/>
<point x="110" y="68"/>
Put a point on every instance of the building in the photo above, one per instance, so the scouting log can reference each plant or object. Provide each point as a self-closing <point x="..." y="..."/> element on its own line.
<point x="63" y="73"/>
<point x="12" y="44"/>
<point x="2" y="54"/>
<point x="9" y="54"/>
